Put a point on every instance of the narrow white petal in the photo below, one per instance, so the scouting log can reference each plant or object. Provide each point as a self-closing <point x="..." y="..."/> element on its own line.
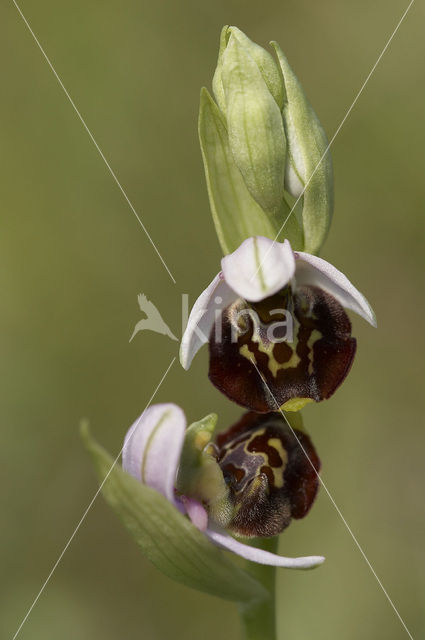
<point x="216" y="297"/>
<point x="226" y="541"/>
<point x="316" y="271"/>
<point x="259" y="268"/>
<point x="153" y="445"/>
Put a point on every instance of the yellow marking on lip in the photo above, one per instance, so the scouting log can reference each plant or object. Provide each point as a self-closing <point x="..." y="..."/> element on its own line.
<point x="278" y="472"/>
<point x="276" y="443"/>
<point x="246" y="353"/>
<point x="257" y="432"/>
<point x="275" y="366"/>
<point x="314" y="337"/>
<point x="263" y="454"/>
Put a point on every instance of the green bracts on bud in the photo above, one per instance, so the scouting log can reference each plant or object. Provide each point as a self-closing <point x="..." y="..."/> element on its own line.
<point x="217" y="83"/>
<point x="263" y="140"/>
<point x="309" y="164"/>
<point x="235" y="213"/>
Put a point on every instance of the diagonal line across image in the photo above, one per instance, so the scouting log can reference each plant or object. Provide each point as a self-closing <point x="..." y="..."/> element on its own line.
<point x="83" y="517"/>
<point x="387" y="44"/>
<point x="111" y="171"/>
<point x="328" y="493"/>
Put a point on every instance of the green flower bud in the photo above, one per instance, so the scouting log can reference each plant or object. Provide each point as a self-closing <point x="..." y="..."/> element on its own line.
<point x="262" y="141"/>
<point x="263" y="59"/>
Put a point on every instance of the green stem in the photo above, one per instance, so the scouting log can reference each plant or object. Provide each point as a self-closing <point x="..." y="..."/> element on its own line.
<point x="259" y="618"/>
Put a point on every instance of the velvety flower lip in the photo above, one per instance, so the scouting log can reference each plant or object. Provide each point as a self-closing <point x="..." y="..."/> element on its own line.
<point x="266" y="278"/>
<point x="151" y="454"/>
<point x="272" y="470"/>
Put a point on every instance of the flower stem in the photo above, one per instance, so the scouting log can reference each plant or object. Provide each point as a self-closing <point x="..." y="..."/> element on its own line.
<point x="259" y="618"/>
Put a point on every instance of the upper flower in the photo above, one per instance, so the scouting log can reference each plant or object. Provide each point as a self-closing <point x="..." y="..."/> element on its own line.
<point x="271" y="483"/>
<point x="276" y="325"/>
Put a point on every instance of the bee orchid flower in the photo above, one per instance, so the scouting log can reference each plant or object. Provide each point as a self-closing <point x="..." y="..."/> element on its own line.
<point x="278" y="334"/>
<point x="158" y="444"/>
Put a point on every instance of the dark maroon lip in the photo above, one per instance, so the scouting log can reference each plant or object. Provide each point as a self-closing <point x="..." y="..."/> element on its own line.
<point x="271" y="471"/>
<point x="262" y="376"/>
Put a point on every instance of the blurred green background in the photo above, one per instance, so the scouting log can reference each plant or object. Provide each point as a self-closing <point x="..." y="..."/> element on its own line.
<point x="73" y="259"/>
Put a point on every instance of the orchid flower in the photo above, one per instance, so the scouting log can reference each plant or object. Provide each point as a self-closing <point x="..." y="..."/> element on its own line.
<point x="276" y="326"/>
<point x="156" y="442"/>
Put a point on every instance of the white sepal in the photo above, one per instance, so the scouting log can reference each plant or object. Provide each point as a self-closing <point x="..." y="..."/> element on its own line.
<point x="152" y="447"/>
<point x="311" y="270"/>
<point x="223" y="539"/>
<point x="259" y="268"/>
<point x="216" y="297"/>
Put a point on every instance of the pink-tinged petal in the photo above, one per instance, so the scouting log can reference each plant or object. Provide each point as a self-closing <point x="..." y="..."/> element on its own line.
<point x="206" y="310"/>
<point x="196" y="512"/>
<point x="311" y="270"/>
<point x="153" y="445"/>
<point x="223" y="539"/>
<point x="259" y="268"/>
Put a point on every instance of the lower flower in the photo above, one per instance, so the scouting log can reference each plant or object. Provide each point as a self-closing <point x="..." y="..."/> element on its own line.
<point x="250" y="480"/>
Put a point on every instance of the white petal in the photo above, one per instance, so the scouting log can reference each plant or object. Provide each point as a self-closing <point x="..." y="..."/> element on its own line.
<point x="153" y="445"/>
<point x="226" y="541"/>
<point x="216" y="297"/>
<point x="315" y="271"/>
<point x="259" y="268"/>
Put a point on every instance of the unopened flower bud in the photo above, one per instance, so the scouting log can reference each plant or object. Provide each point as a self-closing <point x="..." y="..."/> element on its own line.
<point x="263" y="140"/>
